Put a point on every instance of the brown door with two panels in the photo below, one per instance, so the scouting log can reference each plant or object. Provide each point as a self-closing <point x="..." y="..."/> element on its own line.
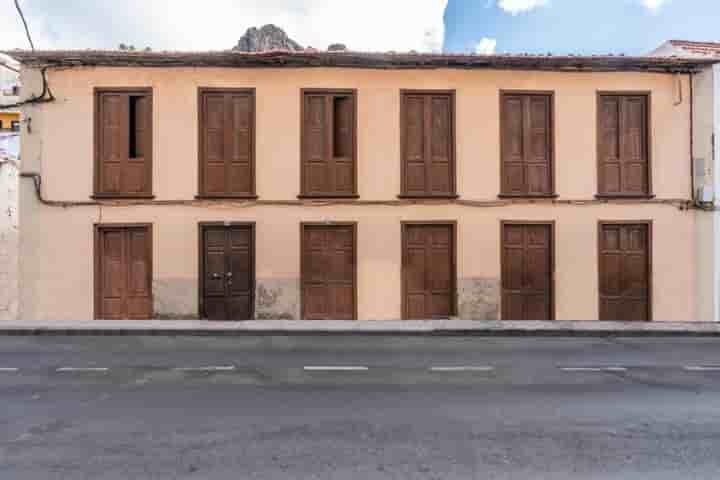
<point x="527" y="271"/>
<point x="227" y="272"/>
<point x="328" y="271"/>
<point x="428" y="271"/>
<point x="123" y="268"/>
<point x="625" y="272"/>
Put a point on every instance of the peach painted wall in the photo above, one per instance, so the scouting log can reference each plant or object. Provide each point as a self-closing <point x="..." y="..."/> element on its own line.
<point x="57" y="243"/>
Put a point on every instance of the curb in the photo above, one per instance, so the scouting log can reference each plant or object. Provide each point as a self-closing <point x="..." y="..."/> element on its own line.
<point x="342" y="328"/>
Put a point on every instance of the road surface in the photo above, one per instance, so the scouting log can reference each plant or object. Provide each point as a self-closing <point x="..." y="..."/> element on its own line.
<point x="359" y="408"/>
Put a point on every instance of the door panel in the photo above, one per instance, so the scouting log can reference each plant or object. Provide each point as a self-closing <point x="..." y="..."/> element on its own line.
<point x="428" y="271"/>
<point x="328" y="272"/>
<point x="124" y="273"/>
<point x="527" y="271"/>
<point x="624" y="272"/>
<point x="228" y="272"/>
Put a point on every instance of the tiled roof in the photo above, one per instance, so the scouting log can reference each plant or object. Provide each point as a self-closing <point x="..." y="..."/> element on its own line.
<point x="707" y="49"/>
<point x="348" y="59"/>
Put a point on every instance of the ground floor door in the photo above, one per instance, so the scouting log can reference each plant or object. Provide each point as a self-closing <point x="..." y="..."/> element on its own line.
<point x="624" y="250"/>
<point x="328" y="272"/>
<point x="227" y="271"/>
<point x="428" y="271"/>
<point x="527" y="271"/>
<point x="123" y="272"/>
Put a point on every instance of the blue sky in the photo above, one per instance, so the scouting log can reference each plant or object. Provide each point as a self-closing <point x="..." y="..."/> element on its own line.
<point x="579" y="26"/>
<point x="538" y="26"/>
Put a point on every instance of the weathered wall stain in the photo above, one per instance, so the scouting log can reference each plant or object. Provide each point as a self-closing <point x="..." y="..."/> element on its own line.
<point x="277" y="299"/>
<point x="479" y="298"/>
<point x="176" y="298"/>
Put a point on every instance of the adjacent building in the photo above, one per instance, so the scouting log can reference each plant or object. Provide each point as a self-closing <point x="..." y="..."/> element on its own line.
<point x="345" y="185"/>
<point x="706" y="162"/>
<point x="9" y="183"/>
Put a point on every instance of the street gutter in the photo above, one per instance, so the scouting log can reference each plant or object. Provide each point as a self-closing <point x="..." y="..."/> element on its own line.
<point x="398" y="328"/>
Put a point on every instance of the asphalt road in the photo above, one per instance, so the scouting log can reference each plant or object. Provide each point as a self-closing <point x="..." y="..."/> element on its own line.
<point x="359" y="408"/>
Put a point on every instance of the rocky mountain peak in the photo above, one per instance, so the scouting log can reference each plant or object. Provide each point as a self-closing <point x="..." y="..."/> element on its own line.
<point x="267" y="37"/>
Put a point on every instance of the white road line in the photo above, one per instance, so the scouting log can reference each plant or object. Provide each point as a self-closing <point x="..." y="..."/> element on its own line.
<point x="226" y="368"/>
<point x="81" y="369"/>
<point x="337" y="368"/>
<point x="593" y="369"/>
<point x="463" y="369"/>
<point x="8" y="370"/>
<point x="700" y="368"/>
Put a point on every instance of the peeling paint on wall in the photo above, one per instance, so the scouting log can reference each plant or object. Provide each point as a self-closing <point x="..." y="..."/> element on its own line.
<point x="479" y="298"/>
<point x="175" y="298"/>
<point x="277" y="299"/>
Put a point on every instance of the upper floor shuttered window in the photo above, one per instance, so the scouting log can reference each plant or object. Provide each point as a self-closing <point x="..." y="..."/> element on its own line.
<point x="227" y="143"/>
<point x="123" y="143"/>
<point x="328" y="151"/>
<point x="623" y="145"/>
<point x="526" y="144"/>
<point x="428" y="144"/>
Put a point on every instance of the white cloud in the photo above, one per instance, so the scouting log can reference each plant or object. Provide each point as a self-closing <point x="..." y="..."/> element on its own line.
<point x="653" y="5"/>
<point x="217" y="24"/>
<point x="486" y="46"/>
<point x="515" y="7"/>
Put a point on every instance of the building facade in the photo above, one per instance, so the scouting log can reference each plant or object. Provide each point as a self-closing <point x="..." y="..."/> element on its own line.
<point x="353" y="186"/>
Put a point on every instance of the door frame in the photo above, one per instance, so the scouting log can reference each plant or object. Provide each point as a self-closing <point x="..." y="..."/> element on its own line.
<point x="649" y="225"/>
<point x="97" y="263"/>
<point x="303" y="267"/>
<point x="549" y="223"/>
<point x="453" y="224"/>
<point x="202" y="226"/>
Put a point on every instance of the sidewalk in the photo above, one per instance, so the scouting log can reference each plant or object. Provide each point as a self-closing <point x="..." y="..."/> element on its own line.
<point x="299" y="327"/>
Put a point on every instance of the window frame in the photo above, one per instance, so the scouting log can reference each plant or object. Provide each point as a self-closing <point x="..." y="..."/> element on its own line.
<point x="353" y="93"/>
<point x="201" y="194"/>
<point x="451" y="93"/>
<point x="97" y="142"/>
<point x="553" y="171"/>
<point x="648" y="139"/>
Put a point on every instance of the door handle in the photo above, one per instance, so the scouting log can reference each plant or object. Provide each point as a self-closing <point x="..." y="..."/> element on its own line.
<point x="215" y="276"/>
<point x="228" y="274"/>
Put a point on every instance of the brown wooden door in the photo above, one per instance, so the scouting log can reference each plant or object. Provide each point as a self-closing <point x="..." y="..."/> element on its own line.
<point x="124" y="273"/>
<point x="623" y="145"/>
<point x="625" y="272"/>
<point x="227" y="272"/>
<point x="328" y="272"/>
<point x="227" y="143"/>
<point x="527" y="271"/>
<point x="428" y="271"/>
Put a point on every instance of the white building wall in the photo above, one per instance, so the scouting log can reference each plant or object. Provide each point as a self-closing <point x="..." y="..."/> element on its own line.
<point x="9" y="235"/>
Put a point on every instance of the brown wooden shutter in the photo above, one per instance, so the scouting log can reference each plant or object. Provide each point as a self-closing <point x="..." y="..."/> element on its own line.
<point x="623" y="145"/>
<point x="428" y="150"/>
<point x="227" y="143"/>
<point x="328" y="144"/>
<point x="123" y="166"/>
<point x="527" y="144"/>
